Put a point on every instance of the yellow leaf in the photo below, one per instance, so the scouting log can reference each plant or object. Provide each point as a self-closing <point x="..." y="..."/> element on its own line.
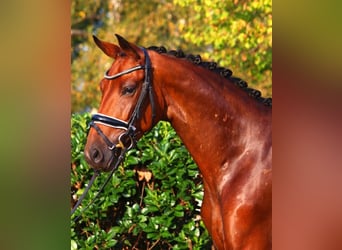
<point x="82" y="14"/>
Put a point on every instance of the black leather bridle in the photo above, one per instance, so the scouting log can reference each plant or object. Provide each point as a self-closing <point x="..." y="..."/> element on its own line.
<point x="127" y="139"/>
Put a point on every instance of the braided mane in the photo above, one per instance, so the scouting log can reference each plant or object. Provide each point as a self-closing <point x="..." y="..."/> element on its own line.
<point x="224" y="72"/>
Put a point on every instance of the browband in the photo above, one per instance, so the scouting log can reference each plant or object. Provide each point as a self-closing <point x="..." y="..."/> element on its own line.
<point x="123" y="72"/>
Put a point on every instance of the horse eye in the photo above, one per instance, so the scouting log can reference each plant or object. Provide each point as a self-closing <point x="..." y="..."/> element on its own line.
<point x="128" y="90"/>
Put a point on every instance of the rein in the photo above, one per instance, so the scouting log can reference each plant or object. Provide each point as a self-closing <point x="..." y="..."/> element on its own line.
<point x="127" y="139"/>
<point x="96" y="173"/>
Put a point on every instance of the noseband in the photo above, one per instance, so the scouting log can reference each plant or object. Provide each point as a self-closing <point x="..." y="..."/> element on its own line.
<point x="127" y="139"/>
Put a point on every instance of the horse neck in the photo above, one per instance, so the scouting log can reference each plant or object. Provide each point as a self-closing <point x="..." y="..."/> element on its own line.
<point x="216" y="120"/>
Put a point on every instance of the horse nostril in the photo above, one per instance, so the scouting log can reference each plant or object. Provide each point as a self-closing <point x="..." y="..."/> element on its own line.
<point x="96" y="155"/>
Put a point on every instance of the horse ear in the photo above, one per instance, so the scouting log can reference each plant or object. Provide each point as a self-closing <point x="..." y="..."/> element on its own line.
<point x="129" y="48"/>
<point x="109" y="49"/>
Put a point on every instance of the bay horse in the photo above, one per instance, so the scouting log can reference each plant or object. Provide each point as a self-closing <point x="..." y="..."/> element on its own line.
<point x="225" y="127"/>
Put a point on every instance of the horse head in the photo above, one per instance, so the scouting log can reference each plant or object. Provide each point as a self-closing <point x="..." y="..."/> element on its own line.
<point x="127" y="109"/>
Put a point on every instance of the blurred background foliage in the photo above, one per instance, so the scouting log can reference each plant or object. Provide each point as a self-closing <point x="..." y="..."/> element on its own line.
<point x="237" y="34"/>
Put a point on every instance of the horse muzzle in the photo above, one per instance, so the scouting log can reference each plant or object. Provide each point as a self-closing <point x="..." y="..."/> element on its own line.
<point x="105" y="157"/>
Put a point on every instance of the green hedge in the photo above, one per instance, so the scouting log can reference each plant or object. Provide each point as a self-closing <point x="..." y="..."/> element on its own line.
<point x="152" y="201"/>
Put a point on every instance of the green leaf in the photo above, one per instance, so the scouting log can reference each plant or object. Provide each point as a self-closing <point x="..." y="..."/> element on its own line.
<point x="166" y="234"/>
<point x="153" y="236"/>
<point x="131" y="160"/>
<point x="73" y="245"/>
<point x="111" y="242"/>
